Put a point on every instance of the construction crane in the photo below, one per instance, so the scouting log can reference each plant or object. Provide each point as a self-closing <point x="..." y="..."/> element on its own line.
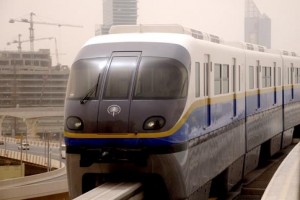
<point x="19" y="42"/>
<point x="31" y="23"/>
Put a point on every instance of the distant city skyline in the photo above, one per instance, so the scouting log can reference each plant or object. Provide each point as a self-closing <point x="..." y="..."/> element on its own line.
<point x="257" y="25"/>
<point x="118" y="12"/>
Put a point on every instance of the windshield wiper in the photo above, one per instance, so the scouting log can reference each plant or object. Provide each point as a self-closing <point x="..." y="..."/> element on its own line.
<point x="89" y="94"/>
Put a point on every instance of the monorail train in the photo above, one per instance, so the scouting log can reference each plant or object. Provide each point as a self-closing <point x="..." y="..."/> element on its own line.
<point x="179" y="110"/>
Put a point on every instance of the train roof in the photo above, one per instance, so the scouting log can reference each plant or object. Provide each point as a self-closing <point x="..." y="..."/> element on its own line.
<point x="132" y="33"/>
<point x="168" y="28"/>
<point x="153" y="33"/>
<point x="255" y="47"/>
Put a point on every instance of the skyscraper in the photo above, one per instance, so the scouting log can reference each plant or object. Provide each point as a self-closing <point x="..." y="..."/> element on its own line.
<point x="257" y="25"/>
<point x="118" y="12"/>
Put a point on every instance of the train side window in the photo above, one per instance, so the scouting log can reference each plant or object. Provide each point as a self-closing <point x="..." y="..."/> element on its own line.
<point x="239" y="75"/>
<point x="221" y="78"/>
<point x="288" y="75"/>
<point x="258" y="68"/>
<point x="297" y="75"/>
<point x="234" y="88"/>
<point x="274" y="75"/>
<point x="251" y="77"/>
<point x="197" y="79"/>
<point x="225" y="78"/>
<point x="279" y="76"/>
<point x="263" y="77"/>
<point x="206" y="74"/>
<point x="291" y="71"/>
<point x="236" y="76"/>
<point x="266" y="77"/>
<point x="217" y="78"/>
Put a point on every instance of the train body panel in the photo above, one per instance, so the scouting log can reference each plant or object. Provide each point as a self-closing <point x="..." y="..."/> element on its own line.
<point x="291" y="115"/>
<point x="172" y="106"/>
<point x="263" y="126"/>
<point x="207" y="157"/>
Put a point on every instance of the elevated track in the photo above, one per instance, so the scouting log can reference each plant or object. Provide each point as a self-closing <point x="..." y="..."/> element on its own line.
<point x="283" y="171"/>
<point x="39" y="185"/>
<point x="114" y="191"/>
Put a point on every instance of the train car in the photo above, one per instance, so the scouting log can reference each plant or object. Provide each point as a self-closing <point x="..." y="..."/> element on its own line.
<point x="291" y="96"/>
<point x="179" y="110"/>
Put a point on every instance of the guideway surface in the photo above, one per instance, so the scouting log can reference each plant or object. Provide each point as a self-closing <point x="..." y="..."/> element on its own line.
<point x="114" y="191"/>
<point x="39" y="185"/>
<point x="285" y="184"/>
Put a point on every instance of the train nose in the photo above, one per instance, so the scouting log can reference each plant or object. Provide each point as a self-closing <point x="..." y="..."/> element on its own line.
<point x="113" y="117"/>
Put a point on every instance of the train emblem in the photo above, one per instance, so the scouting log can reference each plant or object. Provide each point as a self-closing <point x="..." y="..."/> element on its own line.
<point x="114" y="110"/>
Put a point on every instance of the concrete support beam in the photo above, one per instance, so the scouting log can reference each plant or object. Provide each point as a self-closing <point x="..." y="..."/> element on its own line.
<point x="1" y="121"/>
<point x="31" y="125"/>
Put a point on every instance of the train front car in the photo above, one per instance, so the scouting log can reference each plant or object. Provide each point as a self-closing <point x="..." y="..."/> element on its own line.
<point x="124" y="114"/>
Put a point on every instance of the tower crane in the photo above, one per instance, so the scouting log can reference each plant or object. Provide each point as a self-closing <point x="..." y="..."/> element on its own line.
<point x="19" y="42"/>
<point x="31" y="23"/>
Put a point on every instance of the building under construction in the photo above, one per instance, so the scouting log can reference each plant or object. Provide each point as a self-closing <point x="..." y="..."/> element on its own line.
<point x="28" y="79"/>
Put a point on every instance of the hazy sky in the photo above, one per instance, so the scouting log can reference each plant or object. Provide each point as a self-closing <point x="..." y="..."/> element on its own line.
<point x="220" y="17"/>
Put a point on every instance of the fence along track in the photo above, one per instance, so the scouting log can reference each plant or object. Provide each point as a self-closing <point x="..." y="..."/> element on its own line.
<point x="114" y="191"/>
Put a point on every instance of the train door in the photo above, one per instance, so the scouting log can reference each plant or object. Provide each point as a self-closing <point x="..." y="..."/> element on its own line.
<point x="113" y="114"/>
<point x="234" y="88"/>
<point x="207" y="69"/>
<point x="292" y="80"/>
<point x="275" y="79"/>
<point x="258" y="72"/>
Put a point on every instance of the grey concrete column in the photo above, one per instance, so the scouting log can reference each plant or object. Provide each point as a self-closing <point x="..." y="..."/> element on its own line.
<point x="31" y="125"/>
<point x="2" y="117"/>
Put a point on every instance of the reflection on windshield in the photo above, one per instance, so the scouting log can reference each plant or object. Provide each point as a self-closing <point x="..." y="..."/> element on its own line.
<point x="119" y="78"/>
<point x="158" y="78"/>
<point x="84" y="76"/>
<point x="161" y="78"/>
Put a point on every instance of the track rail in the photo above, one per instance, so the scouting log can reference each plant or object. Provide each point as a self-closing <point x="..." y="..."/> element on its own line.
<point x="114" y="191"/>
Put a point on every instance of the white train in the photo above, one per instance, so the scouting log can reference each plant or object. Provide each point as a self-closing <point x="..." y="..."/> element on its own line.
<point x="181" y="111"/>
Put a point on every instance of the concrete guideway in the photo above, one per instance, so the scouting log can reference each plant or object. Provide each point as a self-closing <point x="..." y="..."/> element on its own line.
<point x="114" y="191"/>
<point x="35" y="159"/>
<point x="53" y="182"/>
<point x="30" y="115"/>
<point x="34" y="190"/>
<point x="285" y="184"/>
<point x="31" y="142"/>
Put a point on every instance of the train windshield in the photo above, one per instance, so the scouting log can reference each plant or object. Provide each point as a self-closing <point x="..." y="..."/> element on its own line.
<point x="157" y="78"/>
<point x="119" y="77"/>
<point x="84" y="77"/>
<point x="161" y="78"/>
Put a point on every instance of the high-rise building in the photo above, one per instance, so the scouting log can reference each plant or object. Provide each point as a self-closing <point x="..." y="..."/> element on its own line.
<point x="118" y="12"/>
<point x="257" y="25"/>
<point x="28" y="79"/>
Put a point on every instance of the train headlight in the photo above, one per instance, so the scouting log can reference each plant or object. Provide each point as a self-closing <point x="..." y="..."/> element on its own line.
<point x="74" y="123"/>
<point x="154" y="123"/>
